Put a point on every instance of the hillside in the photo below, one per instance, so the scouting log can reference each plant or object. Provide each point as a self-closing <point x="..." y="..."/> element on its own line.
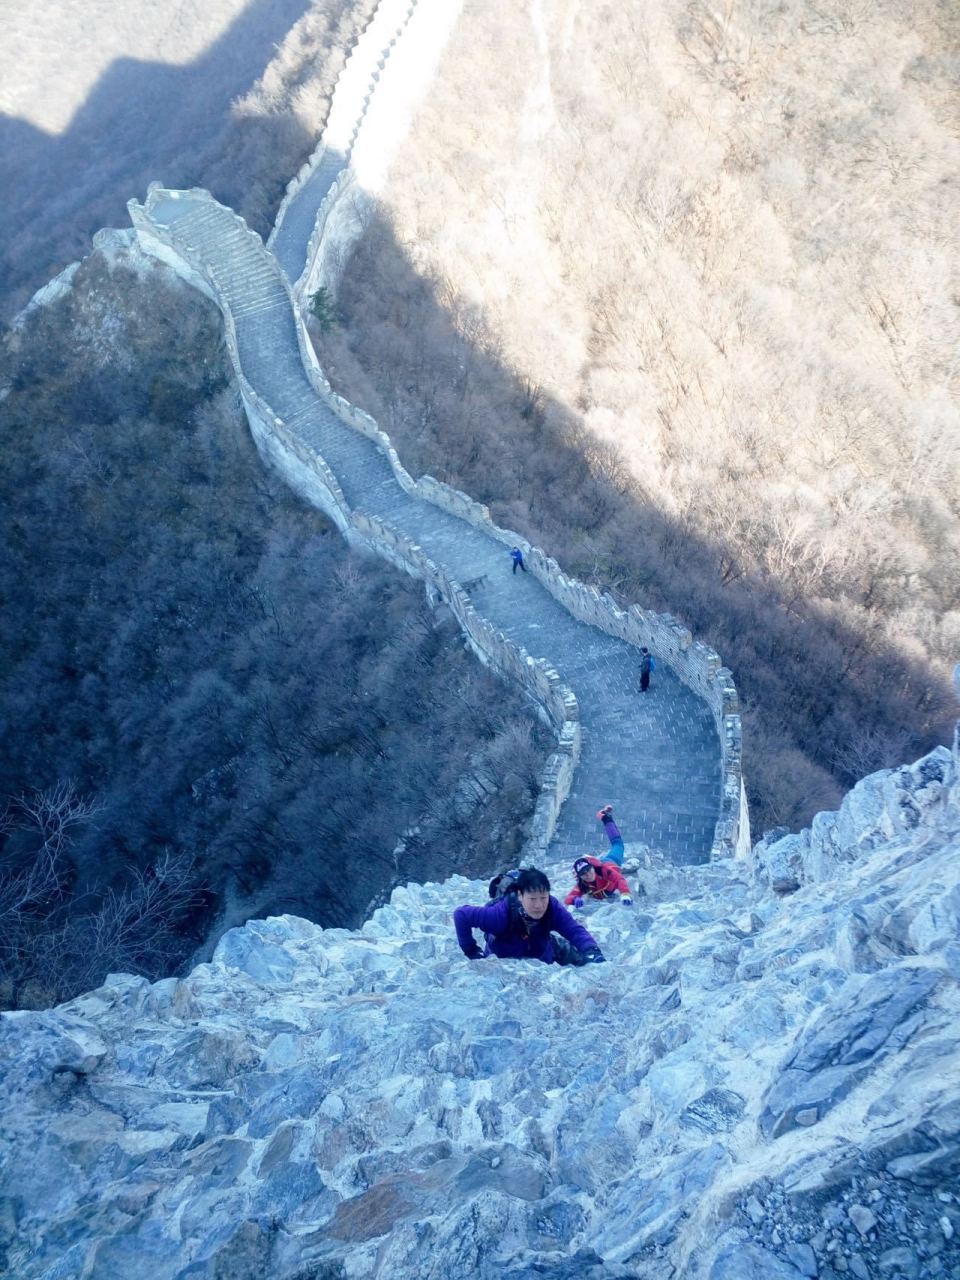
<point x="198" y="678"/>
<point x="676" y="293"/>
<point x="757" y="1085"/>
<point x="100" y="97"/>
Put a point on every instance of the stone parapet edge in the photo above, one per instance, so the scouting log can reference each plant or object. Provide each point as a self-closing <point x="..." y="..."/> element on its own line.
<point x="362" y="65"/>
<point x="316" y="481"/>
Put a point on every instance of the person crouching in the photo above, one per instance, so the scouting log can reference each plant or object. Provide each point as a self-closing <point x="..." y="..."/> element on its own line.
<point x="596" y="879"/>
<point x="526" y="923"/>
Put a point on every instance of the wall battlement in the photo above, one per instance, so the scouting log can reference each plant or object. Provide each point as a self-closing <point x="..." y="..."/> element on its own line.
<point x="697" y="665"/>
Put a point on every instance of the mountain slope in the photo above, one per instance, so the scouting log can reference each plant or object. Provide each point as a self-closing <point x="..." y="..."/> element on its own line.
<point x="753" y="1086"/>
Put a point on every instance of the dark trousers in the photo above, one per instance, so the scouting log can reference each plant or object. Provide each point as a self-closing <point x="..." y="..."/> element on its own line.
<point x="518" y="564"/>
<point x="644" y="681"/>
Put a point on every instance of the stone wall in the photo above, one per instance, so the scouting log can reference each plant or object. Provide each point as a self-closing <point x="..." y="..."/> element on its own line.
<point x="367" y="126"/>
<point x="340" y="220"/>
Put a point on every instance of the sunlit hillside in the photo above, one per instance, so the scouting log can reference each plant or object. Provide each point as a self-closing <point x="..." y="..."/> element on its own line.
<point x="98" y="98"/>
<point x="676" y="286"/>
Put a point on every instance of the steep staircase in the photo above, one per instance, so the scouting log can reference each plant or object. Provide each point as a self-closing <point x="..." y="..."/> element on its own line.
<point x="655" y="758"/>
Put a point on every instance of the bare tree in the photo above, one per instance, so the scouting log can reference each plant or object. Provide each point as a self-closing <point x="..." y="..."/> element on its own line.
<point x="50" y="816"/>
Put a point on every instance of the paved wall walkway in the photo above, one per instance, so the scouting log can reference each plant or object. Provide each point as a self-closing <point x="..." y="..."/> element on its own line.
<point x="291" y="239"/>
<point x="655" y="758"/>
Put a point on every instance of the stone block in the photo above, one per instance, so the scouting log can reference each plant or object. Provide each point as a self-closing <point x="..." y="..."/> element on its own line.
<point x="715" y="1111"/>
<point x="749" y="1261"/>
<point x="872" y="1018"/>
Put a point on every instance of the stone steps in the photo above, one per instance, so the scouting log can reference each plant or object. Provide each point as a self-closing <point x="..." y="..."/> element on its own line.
<point x="657" y="758"/>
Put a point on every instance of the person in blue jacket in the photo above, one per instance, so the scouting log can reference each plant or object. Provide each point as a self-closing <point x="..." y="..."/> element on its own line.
<point x="647" y="664"/>
<point x="521" y="925"/>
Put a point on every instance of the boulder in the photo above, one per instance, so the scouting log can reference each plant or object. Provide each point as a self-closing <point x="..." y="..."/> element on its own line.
<point x="872" y="1018"/>
<point x="748" y="1261"/>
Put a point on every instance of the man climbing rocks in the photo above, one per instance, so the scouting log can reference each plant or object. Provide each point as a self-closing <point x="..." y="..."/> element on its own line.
<point x="647" y="665"/>
<point x="516" y="555"/>
<point x="596" y="879"/>
<point x="605" y="818"/>
<point x="524" y="924"/>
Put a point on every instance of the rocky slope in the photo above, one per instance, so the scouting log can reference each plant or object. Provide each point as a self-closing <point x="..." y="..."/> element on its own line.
<point x="762" y="1082"/>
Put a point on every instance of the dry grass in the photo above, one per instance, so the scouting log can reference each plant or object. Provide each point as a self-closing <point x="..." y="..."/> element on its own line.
<point x="715" y="251"/>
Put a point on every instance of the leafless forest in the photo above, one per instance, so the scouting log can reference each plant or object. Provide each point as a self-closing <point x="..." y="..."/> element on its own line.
<point x="674" y="287"/>
<point x="209" y="708"/>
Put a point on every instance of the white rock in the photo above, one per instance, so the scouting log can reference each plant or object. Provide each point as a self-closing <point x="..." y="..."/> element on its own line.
<point x="862" y="1218"/>
<point x="378" y="1092"/>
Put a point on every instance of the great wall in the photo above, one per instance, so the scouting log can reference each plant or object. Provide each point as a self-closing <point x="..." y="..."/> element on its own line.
<point x="670" y="764"/>
<point x="758" y="1085"/>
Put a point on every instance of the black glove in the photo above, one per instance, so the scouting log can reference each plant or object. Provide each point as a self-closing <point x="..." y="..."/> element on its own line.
<point x="594" y="956"/>
<point x="475" y="952"/>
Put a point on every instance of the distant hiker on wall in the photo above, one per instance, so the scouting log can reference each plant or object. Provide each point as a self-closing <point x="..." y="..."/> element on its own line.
<point x="647" y="664"/>
<point x="527" y="922"/>
<point x="605" y="818"/>
<point x="516" y="555"/>
<point x="596" y="879"/>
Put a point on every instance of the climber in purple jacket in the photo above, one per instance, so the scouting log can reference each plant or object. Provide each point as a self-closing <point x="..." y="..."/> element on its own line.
<point x="520" y="924"/>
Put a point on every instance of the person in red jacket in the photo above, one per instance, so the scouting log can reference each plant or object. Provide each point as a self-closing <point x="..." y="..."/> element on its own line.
<point x="596" y="879"/>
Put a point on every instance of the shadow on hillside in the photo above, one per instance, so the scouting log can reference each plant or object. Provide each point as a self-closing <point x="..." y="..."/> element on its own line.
<point x="825" y="703"/>
<point x="142" y="121"/>
<point x="200" y="656"/>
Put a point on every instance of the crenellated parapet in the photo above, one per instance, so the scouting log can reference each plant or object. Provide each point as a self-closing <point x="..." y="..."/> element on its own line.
<point x="340" y="219"/>
<point x="213" y="249"/>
